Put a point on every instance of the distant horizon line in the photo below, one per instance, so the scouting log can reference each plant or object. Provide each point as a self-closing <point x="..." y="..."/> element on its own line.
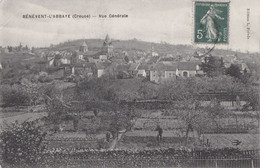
<point x="132" y="39"/>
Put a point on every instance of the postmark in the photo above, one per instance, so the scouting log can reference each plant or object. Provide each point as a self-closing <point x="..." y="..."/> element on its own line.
<point x="211" y="22"/>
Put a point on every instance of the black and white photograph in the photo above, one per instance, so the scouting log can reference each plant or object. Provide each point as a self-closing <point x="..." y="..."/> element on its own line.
<point x="129" y="84"/>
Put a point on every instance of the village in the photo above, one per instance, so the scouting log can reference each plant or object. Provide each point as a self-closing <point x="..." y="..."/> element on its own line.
<point x="91" y="100"/>
<point x="66" y="64"/>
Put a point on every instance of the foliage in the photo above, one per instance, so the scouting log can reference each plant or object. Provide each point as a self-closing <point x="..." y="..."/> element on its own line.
<point x="102" y="144"/>
<point x="213" y="66"/>
<point x="58" y="111"/>
<point x="118" y="122"/>
<point x="234" y="71"/>
<point x="22" y="143"/>
<point x="147" y="91"/>
<point x="44" y="77"/>
<point x="184" y="91"/>
<point x="96" y="89"/>
<point x="187" y="105"/>
<point x="33" y="89"/>
<point x="14" y="95"/>
<point x="17" y="66"/>
<point x="253" y="99"/>
<point x="27" y="92"/>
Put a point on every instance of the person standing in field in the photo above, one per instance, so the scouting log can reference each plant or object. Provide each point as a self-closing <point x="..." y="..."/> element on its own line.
<point x="160" y="132"/>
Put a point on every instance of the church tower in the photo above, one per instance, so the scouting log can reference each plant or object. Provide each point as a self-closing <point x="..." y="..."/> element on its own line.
<point x="84" y="47"/>
<point x="108" y="47"/>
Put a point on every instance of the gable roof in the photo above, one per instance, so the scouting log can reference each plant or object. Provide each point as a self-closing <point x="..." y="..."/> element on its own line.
<point x="143" y="67"/>
<point x="102" y="65"/>
<point x="118" y="60"/>
<point x="189" y="66"/>
<point x="171" y="66"/>
<point x="133" y="66"/>
<point x="85" y="64"/>
<point x="88" y="53"/>
<point x="164" y="67"/>
<point x="122" y="67"/>
<point x="157" y="67"/>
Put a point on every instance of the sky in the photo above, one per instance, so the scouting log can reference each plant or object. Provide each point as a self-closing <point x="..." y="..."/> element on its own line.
<point x="148" y="20"/>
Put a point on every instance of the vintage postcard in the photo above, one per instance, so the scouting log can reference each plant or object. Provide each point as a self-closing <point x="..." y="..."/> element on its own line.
<point x="129" y="83"/>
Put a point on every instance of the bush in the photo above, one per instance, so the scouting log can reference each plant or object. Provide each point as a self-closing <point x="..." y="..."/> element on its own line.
<point x="14" y="95"/>
<point x="102" y="144"/>
<point x="44" y="77"/>
<point x="22" y="144"/>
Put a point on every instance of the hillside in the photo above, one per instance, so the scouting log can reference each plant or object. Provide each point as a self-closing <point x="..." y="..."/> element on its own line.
<point x="161" y="48"/>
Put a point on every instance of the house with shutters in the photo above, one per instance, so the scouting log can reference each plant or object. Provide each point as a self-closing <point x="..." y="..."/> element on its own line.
<point x="161" y="72"/>
<point x="143" y="71"/>
<point x="84" y="69"/>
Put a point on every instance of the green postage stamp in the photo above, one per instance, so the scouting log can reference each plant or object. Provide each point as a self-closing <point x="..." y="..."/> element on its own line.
<point x="211" y="22"/>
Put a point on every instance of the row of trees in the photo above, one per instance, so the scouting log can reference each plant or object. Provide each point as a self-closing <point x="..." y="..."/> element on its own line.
<point x="26" y="93"/>
<point x="214" y="67"/>
<point x="184" y="92"/>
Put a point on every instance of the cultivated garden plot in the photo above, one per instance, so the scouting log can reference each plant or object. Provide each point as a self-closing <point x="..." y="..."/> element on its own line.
<point x="143" y="134"/>
<point x="165" y="123"/>
<point x="240" y="141"/>
<point x="137" y="140"/>
<point x="20" y="118"/>
<point x="73" y="140"/>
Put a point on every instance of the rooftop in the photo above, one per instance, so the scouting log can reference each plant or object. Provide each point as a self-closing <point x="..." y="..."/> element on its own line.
<point x="189" y="65"/>
<point x="84" y="44"/>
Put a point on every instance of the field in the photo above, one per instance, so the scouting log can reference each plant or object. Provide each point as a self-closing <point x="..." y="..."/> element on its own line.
<point x="144" y="136"/>
<point x="138" y="140"/>
<point x="12" y="114"/>
<point x="248" y="141"/>
<point x="70" y="140"/>
<point x="165" y="124"/>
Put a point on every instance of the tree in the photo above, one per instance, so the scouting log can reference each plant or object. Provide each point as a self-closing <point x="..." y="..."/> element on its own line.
<point x="126" y="59"/>
<point x="26" y="48"/>
<point x="58" y="111"/>
<point x="186" y="101"/>
<point x="22" y="143"/>
<point x="33" y="90"/>
<point x="147" y="91"/>
<point x="120" y="120"/>
<point x="9" y="48"/>
<point x="96" y="89"/>
<point x="252" y="98"/>
<point x="14" y="95"/>
<point x="215" y="112"/>
<point x="186" y="105"/>
<point x="233" y="71"/>
<point x="213" y="66"/>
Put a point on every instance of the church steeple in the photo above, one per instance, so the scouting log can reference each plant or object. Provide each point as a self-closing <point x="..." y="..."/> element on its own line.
<point x="107" y="41"/>
<point x="83" y="47"/>
<point x="107" y="46"/>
